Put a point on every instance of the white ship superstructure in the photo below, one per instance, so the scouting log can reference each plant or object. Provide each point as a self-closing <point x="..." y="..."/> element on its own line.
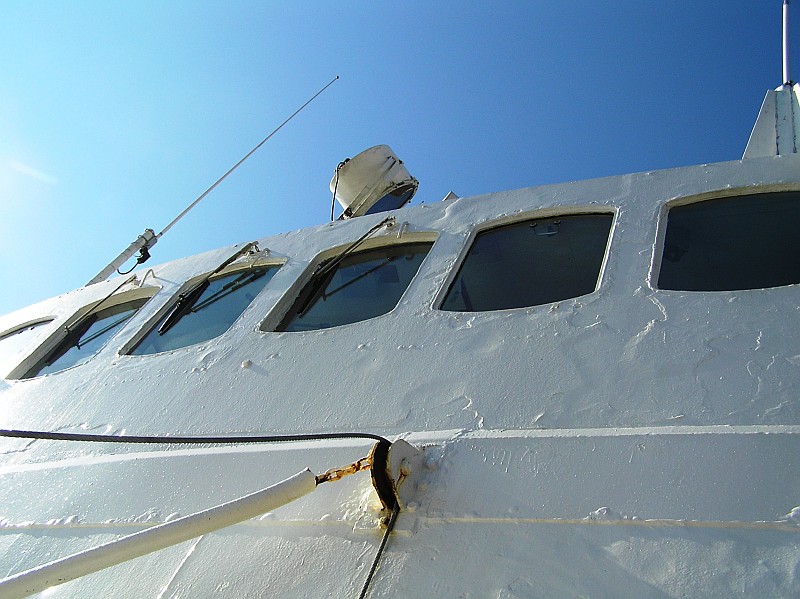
<point x="601" y="380"/>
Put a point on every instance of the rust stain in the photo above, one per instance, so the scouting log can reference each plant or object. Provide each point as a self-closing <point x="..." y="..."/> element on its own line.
<point x="335" y="474"/>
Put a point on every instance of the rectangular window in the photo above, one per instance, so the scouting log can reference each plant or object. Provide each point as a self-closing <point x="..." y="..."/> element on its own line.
<point x="359" y="286"/>
<point x="733" y="243"/>
<point x="86" y="337"/>
<point x="206" y="310"/>
<point x="531" y="263"/>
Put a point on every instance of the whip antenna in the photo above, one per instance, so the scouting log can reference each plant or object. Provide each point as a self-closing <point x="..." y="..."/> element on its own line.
<point x="787" y="78"/>
<point x="250" y="153"/>
<point x="148" y="239"/>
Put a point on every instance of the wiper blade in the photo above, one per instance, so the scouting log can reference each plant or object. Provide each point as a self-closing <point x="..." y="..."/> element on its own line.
<point x="242" y="280"/>
<point x="314" y="289"/>
<point x="357" y="278"/>
<point x="183" y="305"/>
<point x="82" y="342"/>
<point x="187" y="299"/>
<point x="334" y="262"/>
<point x="83" y="322"/>
<point x="71" y="339"/>
<point x="326" y="270"/>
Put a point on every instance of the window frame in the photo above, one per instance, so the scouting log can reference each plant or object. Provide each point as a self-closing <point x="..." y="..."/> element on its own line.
<point x="720" y="194"/>
<point x="281" y="309"/>
<point x="497" y="223"/>
<point x="153" y="321"/>
<point x="52" y="343"/>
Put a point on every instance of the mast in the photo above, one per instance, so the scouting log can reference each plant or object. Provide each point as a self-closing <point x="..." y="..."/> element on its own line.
<point x="787" y="79"/>
<point x="777" y="128"/>
<point x="148" y="239"/>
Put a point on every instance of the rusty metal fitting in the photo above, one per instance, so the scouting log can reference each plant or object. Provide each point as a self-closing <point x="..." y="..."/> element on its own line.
<point x="334" y="474"/>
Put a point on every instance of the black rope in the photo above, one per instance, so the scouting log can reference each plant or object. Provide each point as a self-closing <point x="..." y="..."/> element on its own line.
<point x="335" y="187"/>
<point x="156" y="439"/>
<point x="129" y="271"/>
<point x="378" y="555"/>
<point x="336" y="184"/>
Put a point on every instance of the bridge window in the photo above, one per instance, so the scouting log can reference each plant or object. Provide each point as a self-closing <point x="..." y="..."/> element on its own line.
<point x="735" y="243"/>
<point x="85" y="336"/>
<point x="355" y="287"/>
<point x="531" y="263"/>
<point x="206" y="310"/>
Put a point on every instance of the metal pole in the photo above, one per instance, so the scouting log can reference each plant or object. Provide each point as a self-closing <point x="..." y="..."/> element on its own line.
<point x="250" y="153"/>
<point x="148" y="239"/>
<point x="787" y="78"/>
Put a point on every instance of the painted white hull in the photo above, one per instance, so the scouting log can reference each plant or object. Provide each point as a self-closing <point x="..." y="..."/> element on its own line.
<point x="630" y="442"/>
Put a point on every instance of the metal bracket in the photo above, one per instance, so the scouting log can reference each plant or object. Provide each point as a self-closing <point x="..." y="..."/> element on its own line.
<point x="403" y="463"/>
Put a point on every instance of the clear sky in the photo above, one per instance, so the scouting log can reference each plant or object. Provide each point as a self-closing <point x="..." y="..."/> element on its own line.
<point x="115" y="115"/>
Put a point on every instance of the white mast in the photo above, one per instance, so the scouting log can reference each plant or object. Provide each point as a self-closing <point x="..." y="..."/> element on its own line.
<point x="787" y="78"/>
<point x="148" y="239"/>
<point x="777" y="128"/>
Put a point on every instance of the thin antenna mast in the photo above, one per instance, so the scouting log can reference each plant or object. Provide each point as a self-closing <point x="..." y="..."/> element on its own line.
<point x="777" y="128"/>
<point x="148" y="239"/>
<point x="787" y="78"/>
<point x="250" y="153"/>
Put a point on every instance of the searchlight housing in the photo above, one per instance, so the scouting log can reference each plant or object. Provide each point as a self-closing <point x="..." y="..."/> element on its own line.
<point x="373" y="181"/>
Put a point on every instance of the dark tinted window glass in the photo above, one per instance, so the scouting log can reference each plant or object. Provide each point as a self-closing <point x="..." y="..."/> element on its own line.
<point x="531" y="263"/>
<point x="211" y="314"/>
<point x="362" y="286"/>
<point x="86" y="339"/>
<point x="745" y="242"/>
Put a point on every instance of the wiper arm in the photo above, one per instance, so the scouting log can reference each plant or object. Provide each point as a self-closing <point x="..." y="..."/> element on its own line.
<point x="71" y="339"/>
<point x="325" y="271"/>
<point x="334" y="262"/>
<point x="314" y="290"/>
<point x="187" y="299"/>
<point x="183" y="305"/>
<point x="358" y="278"/>
<point x="83" y="322"/>
<point x="82" y="342"/>
<point x="230" y="287"/>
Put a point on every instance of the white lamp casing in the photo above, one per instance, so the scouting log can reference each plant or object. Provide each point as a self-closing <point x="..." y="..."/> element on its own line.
<point x="374" y="178"/>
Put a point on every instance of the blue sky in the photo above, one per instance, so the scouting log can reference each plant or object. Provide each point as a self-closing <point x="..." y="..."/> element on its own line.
<point x="114" y="116"/>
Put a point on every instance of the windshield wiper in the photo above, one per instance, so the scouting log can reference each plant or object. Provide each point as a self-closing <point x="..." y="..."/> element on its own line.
<point x="326" y="270"/>
<point x="82" y="342"/>
<point x="188" y="298"/>
<point x="183" y="305"/>
<point x="314" y="289"/>
<point x="357" y="278"/>
<point x="242" y="280"/>
<point x="72" y="338"/>
<point x="80" y="325"/>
